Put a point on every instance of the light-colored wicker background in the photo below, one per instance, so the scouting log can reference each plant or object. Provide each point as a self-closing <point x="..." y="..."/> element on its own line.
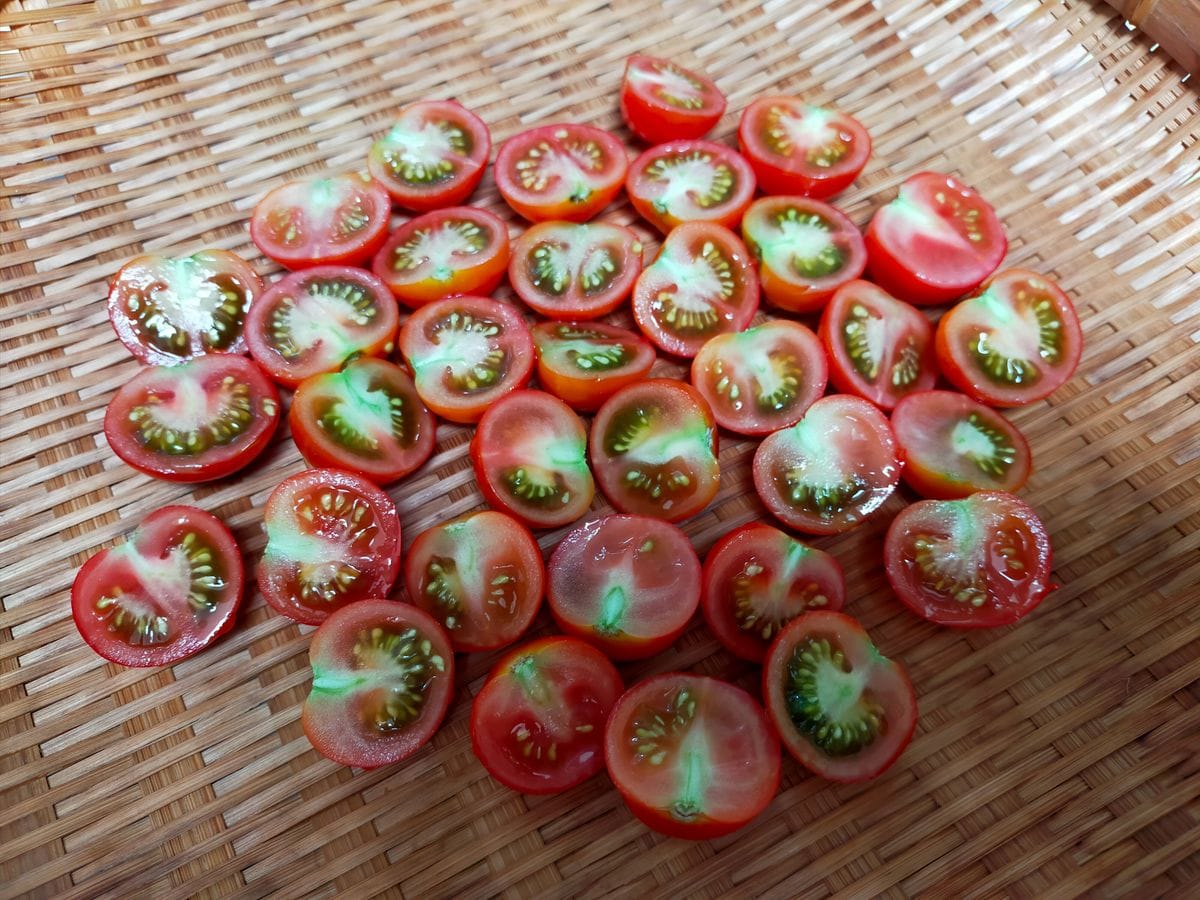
<point x="1052" y="759"/>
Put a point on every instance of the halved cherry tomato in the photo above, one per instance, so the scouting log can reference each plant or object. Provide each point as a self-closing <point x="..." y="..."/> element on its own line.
<point x="662" y="101"/>
<point x="166" y="309"/>
<point x="830" y="470"/>
<point x="537" y="724"/>
<point x="627" y="584"/>
<point x="565" y="270"/>
<point x="690" y="181"/>
<point x="171" y="589"/>
<point x="974" y="563"/>
<point x="757" y="579"/>
<point x="530" y="456"/>
<point x="444" y="253"/>
<point x="761" y="379"/>
<point x="583" y="363"/>
<point x="194" y="421"/>
<point x="935" y="242"/>
<point x="796" y="148"/>
<point x="564" y="171"/>
<point x="843" y="709"/>
<point x="1015" y="341"/>
<point x="880" y="348"/>
<point x="433" y="156"/>
<point x="953" y="446"/>
<point x="383" y="678"/>
<point x="654" y="450"/>
<point x="805" y="249"/>
<point x="312" y="321"/>
<point x="480" y="575"/>
<point x="466" y="353"/>
<point x="701" y="284"/>
<point x="366" y="418"/>
<point x="332" y="220"/>
<point x="692" y="757"/>
<point x="333" y="538"/>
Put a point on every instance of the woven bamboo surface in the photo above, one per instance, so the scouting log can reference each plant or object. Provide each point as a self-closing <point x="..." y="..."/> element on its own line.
<point x="1053" y="759"/>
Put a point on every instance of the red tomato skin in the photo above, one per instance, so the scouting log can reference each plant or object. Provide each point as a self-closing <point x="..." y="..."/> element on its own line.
<point x="665" y="221"/>
<point x="587" y="393"/>
<point x="657" y="123"/>
<point x="575" y="308"/>
<point x="563" y="209"/>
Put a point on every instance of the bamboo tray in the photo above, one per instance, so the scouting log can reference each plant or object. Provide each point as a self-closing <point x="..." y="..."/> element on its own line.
<point x="1057" y="758"/>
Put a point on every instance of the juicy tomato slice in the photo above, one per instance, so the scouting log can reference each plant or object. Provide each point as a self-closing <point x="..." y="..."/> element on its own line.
<point x="879" y="348"/>
<point x="466" y="353"/>
<point x="693" y="757"/>
<point x="701" y="284"/>
<point x="530" y="457"/>
<point x="654" y="450"/>
<point x="194" y="421"/>
<point x="383" y="678"/>
<point x="584" y="363"/>
<point x="537" y="724"/>
<point x="366" y="418"/>
<point x="480" y="575"/>
<point x="935" y="242"/>
<point x="843" y="709"/>
<point x="973" y="563"/>
<point x="564" y="171"/>
<point x="805" y="249"/>
<point x="953" y="446"/>
<point x="333" y="538"/>
<point x="797" y="148"/>
<point x="165" y="594"/>
<point x="168" y="309"/>
<point x="690" y="181"/>
<point x="761" y="379"/>
<point x="444" y="253"/>
<point x="433" y="156"/>
<point x="627" y="584"/>
<point x="757" y="579"/>
<point x="662" y="101"/>
<point x="830" y="470"/>
<point x="565" y="270"/>
<point x="332" y="220"/>
<point x="1014" y="342"/>
<point x="312" y="321"/>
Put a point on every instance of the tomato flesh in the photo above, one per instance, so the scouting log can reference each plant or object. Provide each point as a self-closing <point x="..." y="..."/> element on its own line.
<point x="566" y="171"/>
<point x="537" y="724"/>
<point x="690" y="181"/>
<point x="662" y="101"/>
<point x="565" y="270"/>
<point x="584" y="363"/>
<point x="843" y="710"/>
<point x="171" y="589"/>
<point x="974" y="563"/>
<point x="627" y="584"/>
<point x="692" y="757"/>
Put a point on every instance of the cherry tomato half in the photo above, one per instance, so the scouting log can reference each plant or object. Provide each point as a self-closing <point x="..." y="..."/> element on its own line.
<point x="974" y="563"/>
<point x="564" y="171"/>
<point x="1014" y="342"/>
<point x="332" y="220"/>
<point x="935" y="242"/>
<point x="627" y="584"/>
<point x="565" y="270"/>
<point x="844" y="710"/>
<point x="383" y="678"/>
<point x="701" y="284"/>
<point x="757" y="579"/>
<point x="444" y="253"/>
<point x="653" y="448"/>
<point x="761" y="379"/>
<point x="661" y="101"/>
<point x="692" y="757"/>
<point x="168" y="309"/>
<point x="584" y="363"/>
<point x="690" y="181"/>
<point x="796" y="148"/>
<point x="466" y="353"/>
<point x="537" y="724"/>
<point x="433" y="156"/>
<point x="830" y="470"/>
<point x="195" y="421"/>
